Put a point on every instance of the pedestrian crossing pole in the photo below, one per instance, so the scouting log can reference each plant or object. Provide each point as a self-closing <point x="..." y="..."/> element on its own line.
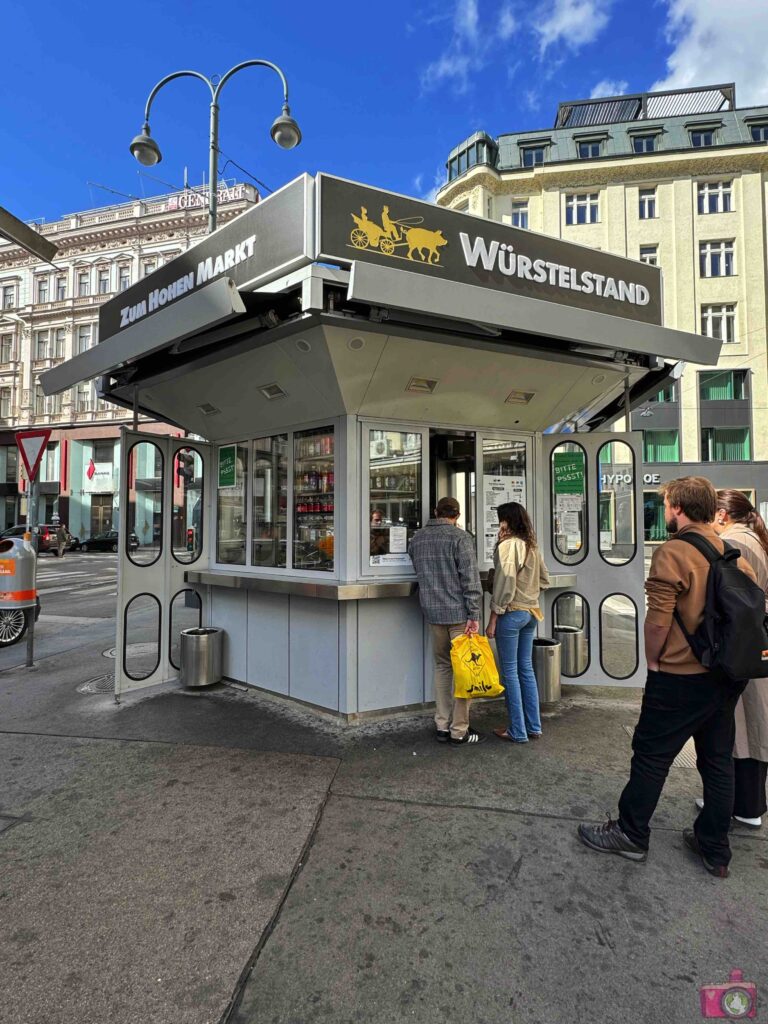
<point x="32" y="445"/>
<point x="33" y="504"/>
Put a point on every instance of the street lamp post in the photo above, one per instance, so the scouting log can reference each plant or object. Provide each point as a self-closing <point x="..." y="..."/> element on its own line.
<point x="284" y="131"/>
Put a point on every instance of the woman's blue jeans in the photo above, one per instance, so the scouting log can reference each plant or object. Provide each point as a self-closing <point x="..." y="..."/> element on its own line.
<point x="515" y="631"/>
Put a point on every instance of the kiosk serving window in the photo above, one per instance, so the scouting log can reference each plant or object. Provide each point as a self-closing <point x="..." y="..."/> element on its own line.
<point x="232" y="510"/>
<point x="269" y="533"/>
<point x="313" y="499"/>
<point x="394" y="490"/>
<point x="503" y="480"/>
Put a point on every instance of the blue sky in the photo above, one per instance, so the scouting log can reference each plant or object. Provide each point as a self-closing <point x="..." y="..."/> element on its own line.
<point x="382" y="91"/>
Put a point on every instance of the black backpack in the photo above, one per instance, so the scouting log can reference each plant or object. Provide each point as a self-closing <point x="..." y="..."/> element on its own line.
<point x="733" y="635"/>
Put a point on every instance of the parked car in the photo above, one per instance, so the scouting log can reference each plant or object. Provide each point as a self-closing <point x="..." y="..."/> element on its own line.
<point x="46" y="540"/>
<point x="108" y="541"/>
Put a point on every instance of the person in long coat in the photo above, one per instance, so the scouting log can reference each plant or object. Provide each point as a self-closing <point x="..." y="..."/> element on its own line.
<point x="739" y="523"/>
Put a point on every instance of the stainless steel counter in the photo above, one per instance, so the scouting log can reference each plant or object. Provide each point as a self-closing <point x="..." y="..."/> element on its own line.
<point x="330" y="591"/>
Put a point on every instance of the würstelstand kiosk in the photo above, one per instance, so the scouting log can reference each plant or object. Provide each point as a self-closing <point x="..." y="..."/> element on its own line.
<point x="350" y="355"/>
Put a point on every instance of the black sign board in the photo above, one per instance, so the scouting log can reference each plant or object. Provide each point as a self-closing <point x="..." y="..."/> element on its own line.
<point x="261" y="243"/>
<point x="362" y="223"/>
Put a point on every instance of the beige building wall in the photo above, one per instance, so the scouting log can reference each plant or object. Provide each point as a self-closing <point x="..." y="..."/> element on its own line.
<point x="677" y="230"/>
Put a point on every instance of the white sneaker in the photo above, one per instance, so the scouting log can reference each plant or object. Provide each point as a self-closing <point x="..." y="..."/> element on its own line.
<point x="700" y="802"/>
<point x="751" y="822"/>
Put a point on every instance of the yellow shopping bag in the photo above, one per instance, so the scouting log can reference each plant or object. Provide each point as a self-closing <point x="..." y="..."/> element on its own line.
<point x="474" y="668"/>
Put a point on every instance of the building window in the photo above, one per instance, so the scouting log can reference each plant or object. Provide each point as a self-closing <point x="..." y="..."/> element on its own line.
<point x="39" y="404"/>
<point x="590" y="149"/>
<point x="650" y="254"/>
<point x="715" y="197"/>
<point x="104" y="451"/>
<point x="61" y="336"/>
<point x="84" y="283"/>
<point x="148" y="267"/>
<point x="532" y="156"/>
<point x="661" y="446"/>
<point x="9" y="296"/>
<point x="719" y="322"/>
<point x="6" y="348"/>
<point x="647" y="203"/>
<point x="716" y="259"/>
<point x="723" y="385"/>
<point x="103" y="282"/>
<point x="61" y="289"/>
<point x="519" y="215"/>
<point x="667" y="394"/>
<point x="41" y="345"/>
<point x="83" y="339"/>
<point x="582" y="208"/>
<point x="759" y="132"/>
<point x="725" y="444"/>
<point x="42" y="289"/>
<point x="83" y="397"/>
<point x="123" y="278"/>
<point x="644" y="143"/>
<point x="6" y="398"/>
<point x="703" y="138"/>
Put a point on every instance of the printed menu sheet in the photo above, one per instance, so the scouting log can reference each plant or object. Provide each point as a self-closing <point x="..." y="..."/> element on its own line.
<point x="498" y="491"/>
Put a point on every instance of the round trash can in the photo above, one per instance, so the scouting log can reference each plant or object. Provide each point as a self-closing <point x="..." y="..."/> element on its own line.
<point x="546" y="668"/>
<point x="575" y="655"/>
<point x="201" y="651"/>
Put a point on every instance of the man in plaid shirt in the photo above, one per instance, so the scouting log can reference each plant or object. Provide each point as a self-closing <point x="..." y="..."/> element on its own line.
<point x="450" y="593"/>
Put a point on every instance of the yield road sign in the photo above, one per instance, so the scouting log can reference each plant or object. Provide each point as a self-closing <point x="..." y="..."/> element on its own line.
<point x="32" y="444"/>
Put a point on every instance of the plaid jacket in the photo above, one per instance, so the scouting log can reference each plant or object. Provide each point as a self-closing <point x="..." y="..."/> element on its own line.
<point x="446" y="566"/>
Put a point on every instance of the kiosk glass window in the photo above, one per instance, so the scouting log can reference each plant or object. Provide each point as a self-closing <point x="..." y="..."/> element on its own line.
<point x="504" y="463"/>
<point x="570" y="627"/>
<point x="231" y="506"/>
<point x="187" y="535"/>
<point x="568" y="476"/>
<point x="145" y="502"/>
<point x="616" y="494"/>
<point x="394" y="494"/>
<point x="618" y="636"/>
<point x="269" y="531"/>
<point x="313" y="499"/>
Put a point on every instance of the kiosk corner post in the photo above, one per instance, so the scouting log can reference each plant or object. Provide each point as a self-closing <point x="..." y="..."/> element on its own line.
<point x="32" y="524"/>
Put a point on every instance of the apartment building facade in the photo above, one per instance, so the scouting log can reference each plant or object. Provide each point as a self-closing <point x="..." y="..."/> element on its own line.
<point x="50" y="313"/>
<point x="676" y="179"/>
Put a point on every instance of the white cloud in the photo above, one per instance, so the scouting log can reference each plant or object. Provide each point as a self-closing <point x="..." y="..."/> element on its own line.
<point x="507" y="23"/>
<point x="714" y="43"/>
<point x="609" y="87"/>
<point x="465" y="19"/>
<point x="571" y="22"/>
<point x="438" y="180"/>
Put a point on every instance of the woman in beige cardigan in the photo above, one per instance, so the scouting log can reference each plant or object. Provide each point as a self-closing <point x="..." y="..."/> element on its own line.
<point x="741" y="525"/>
<point x="518" y="579"/>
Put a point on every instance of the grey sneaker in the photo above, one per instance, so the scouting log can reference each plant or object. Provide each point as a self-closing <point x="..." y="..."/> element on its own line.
<point x="610" y="838"/>
<point x="690" y="840"/>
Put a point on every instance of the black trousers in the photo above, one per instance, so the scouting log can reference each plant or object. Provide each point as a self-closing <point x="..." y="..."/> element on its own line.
<point x="750" y="787"/>
<point x="674" y="709"/>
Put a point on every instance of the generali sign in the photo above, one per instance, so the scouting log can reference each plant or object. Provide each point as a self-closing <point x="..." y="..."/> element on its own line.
<point x="193" y="200"/>
<point x="367" y="224"/>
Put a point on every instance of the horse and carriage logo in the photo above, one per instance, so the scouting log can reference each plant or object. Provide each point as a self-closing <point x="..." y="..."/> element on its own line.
<point x="406" y="235"/>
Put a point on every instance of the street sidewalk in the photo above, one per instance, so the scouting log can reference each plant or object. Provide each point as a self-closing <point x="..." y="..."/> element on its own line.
<point x="195" y="858"/>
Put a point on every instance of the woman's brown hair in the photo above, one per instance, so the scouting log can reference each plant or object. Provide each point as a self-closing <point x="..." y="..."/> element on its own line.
<point x="518" y="524"/>
<point x="741" y="510"/>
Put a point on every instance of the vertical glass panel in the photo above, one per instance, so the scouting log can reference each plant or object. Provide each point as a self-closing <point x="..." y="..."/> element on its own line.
<point x="141" y="654"/>
<point x="568" y="475"/>
<point x="187" y="527"/>
<point x="504" y="464"/>
<point x="394" y="489"/>
<point x="270" y="501"/>
<point x="616" y="502"/>
<point x="313" y="497"/>
<point x="145" y="503"/>
<point x="231" y="506"/>
<point x="186" y="613"/>
<point x="654" y="524"/>
<point x="570" y="626"/>
<point x="618" y="636"/>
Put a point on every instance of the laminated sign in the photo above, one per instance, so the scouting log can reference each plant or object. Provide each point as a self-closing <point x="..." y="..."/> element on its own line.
<point x="228" y="466"/>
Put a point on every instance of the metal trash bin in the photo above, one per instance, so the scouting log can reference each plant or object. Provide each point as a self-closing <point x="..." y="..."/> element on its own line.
<point x="201" y="656"/>
<point x="546" y="668"/>
<point x="19" y="602"/>
<point x="575" y="654"/>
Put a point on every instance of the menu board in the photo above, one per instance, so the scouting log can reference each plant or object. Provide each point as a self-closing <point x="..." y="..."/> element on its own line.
<point x="497" y="490"/>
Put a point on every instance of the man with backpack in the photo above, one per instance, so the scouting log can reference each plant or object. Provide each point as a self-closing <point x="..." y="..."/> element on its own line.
<point x="701" y="598"/>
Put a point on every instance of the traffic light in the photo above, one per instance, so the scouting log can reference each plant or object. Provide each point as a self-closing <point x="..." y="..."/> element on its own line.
<point x="190" y="538"/>
<point x="185" y="466"/>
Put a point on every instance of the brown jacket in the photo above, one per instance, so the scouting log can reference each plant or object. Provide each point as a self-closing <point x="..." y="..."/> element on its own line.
<point x="678" y="578"/>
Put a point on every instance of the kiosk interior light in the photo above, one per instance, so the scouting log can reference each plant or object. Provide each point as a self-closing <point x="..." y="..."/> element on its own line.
<point x="519" y="397"/>
<point x="421" y="385"/>
<point x="207" y="409"/>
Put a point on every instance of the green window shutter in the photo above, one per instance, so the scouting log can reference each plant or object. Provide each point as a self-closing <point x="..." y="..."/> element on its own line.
<point x="717" y="386"/>
<point x="661" y="446"/>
